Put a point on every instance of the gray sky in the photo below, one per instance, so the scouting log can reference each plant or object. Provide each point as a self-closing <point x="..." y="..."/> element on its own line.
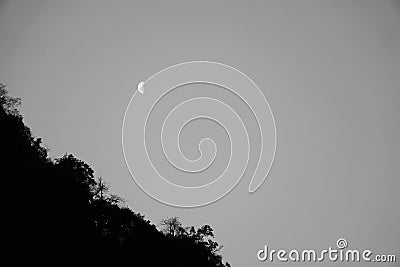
<point x="331" y="73"/>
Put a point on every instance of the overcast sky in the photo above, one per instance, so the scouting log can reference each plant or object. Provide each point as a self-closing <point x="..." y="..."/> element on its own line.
<point x="331" y="73"/>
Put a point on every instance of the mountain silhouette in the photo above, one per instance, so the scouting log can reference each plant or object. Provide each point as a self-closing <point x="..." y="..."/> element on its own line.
<point x="58" y="212"/>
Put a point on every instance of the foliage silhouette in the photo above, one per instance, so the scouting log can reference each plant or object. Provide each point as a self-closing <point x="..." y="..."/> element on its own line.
<point x="59" y="211"/>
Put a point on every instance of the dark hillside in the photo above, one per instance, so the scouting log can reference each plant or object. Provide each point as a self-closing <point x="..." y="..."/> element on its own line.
<point x="58" y="211"/>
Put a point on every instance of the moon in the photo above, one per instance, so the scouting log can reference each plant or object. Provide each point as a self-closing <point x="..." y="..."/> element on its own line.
<point x="140" y="87"/>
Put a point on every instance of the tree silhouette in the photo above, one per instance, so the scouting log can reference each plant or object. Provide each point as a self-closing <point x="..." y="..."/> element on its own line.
<point x="172" y="226"/>
<point x="9" y="104"/>
<point x="58" y="211"/>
